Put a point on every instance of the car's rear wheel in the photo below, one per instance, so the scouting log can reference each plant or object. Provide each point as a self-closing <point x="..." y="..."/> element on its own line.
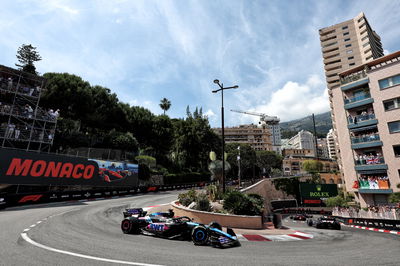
<point x="128" y="227"/>
<point x="199" y="235"/>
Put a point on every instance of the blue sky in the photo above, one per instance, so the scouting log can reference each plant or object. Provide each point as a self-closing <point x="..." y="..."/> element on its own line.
<point x="146" y="50"/>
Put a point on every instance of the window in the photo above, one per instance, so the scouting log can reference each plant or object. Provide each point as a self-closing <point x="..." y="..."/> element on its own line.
<point x="389" y="82"/>
<point x="348" y="45"/>
<point x="351" y="57"/>
<point x="346" y="40"/>
<point x="352" y="64"/>
<point x="345" y="27"/>
<point x="364" y="38"/>
<point x="396" y="150"/>
<point x="394" y="127"/>
<point x="362" y="25"/>
<point x="391" y="104"/>
<point x="349" y="51"/>
<point x="346" y="33"/>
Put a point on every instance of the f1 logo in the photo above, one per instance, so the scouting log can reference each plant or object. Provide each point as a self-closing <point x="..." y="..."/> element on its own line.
<point x="30" y="198"/>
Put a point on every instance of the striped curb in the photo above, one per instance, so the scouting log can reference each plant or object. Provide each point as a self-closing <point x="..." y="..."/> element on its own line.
<point x="374" y="229"/>
<point x="288" y="237"/>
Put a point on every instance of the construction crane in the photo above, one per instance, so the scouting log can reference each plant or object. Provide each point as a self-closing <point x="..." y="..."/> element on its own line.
<point x="263" y="117"/>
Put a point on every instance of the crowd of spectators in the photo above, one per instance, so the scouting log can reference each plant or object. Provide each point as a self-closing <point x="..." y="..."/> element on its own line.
<point x="10" y="85"/>
<point x="366" y="137"/>
<point x="361" y="159"/>
<point x="365" y="115"/>
<point x="23" y="132"/>
<point x="28" y="112"/>
<point x="372" y="212"/>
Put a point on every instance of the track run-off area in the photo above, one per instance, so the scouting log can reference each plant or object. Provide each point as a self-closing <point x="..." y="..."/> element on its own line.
<point x="88" y="233"/>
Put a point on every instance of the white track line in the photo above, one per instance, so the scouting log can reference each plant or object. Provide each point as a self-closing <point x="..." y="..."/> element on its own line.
<point x="29" y="240"/>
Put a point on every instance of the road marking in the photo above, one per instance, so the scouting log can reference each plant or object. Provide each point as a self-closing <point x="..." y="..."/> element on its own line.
<point x="29" y="240"/>
<point x="256" y="238"/>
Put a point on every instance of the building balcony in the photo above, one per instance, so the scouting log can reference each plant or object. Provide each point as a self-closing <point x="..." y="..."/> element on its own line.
<point x="370" y="164"/>
<point x="362" y="121"/>
<point x="374" y="187"/>
<point x="358" y="101"/>
<point x="357" y="80"/>
<point x="366" y="142"/>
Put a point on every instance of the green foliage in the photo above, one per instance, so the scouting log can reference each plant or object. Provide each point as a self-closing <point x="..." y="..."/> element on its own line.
<point x="337" y="201"/>
<point x="323" y="123"/>
<point x="312" y="166"/>
<point x="395" y="197"/>
<point x="188" y="197"/>
<point x="165" y="104"/>
<point x="247" y="159"/>
<point x="243" y="204"/>
<point x="289" y="185"/>
<point x="202" y="202"/>
<point x="146" y="160"/>
<point x="268" y="160"/>
<point x="213" y="193"/>
<point x="27" y="56"/>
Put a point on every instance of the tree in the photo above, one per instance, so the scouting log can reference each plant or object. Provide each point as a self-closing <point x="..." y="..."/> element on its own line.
<point x="165" y="104"/>
<point x="268" y="160"/>
<point x="247" y="159"/>
<point x="27" y="56"/>
<point x="313" y="167"/>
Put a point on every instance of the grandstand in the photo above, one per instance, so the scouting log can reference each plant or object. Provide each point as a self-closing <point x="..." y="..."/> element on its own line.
<point x="23" y="124"/>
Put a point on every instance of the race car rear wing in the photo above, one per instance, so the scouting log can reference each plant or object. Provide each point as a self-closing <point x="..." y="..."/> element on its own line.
<point x="139" y="212"/>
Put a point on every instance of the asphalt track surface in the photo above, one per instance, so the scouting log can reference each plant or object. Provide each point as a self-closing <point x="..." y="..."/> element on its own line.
<point x="89" y="234"/>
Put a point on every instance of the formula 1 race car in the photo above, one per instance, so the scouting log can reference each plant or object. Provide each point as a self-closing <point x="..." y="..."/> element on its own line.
<point x="165" y="225"/>
<point x="298" y="217"/>
<point x="325" y="222"/>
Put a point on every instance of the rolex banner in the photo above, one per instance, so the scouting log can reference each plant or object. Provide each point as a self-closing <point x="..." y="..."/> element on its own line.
<point x="318" y="191"/>
<point x="31" y="168"/>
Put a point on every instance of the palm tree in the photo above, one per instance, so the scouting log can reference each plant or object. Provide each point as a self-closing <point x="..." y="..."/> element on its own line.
<point x="165" y="104"/>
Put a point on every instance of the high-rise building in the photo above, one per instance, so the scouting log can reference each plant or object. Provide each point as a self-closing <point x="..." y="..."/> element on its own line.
<point x="331" y="145"/>
<point x="259" y="138"/>
<point x="346" y="45"/>
<point x="367" y="111"/>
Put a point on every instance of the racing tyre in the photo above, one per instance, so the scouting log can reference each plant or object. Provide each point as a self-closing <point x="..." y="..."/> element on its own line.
<point x="128" y="227"/>
<point x="199" y="235"/>
<point x="310" y="222"/>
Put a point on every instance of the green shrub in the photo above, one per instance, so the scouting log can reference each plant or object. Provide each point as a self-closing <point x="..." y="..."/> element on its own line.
<point x="213" y="193"/>
<point x="202" y="202"/>
<point x="186" y="198"/>
<point x="337" y="201"/>
<point x="395" y="197"/>
<point x="243" y="204"/>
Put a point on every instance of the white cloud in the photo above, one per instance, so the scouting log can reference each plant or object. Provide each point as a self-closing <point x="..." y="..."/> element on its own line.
<point x="296" y="100"/>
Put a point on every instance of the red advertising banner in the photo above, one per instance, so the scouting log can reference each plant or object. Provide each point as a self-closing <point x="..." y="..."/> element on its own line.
<point x="30" y="168"/>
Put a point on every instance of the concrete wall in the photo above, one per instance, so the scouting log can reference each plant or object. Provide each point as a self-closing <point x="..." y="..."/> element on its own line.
<point x="234" y="221"/>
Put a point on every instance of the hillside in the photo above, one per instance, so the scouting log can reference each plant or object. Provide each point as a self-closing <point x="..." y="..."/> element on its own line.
<point x="323" y="123"/>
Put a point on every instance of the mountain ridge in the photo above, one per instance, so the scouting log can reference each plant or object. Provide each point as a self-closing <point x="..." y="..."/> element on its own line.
<point x="323" y="123"/>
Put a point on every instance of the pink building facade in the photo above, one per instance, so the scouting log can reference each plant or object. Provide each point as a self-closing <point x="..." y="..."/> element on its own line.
<point x="367" y="111"/>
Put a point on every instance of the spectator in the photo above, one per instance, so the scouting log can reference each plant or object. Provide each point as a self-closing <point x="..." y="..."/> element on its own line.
<point x="17" y="132"/>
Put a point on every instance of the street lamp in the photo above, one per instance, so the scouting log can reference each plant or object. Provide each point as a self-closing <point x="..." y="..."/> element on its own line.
<point x="238" y="159"/>
<point x="221" y="88"/>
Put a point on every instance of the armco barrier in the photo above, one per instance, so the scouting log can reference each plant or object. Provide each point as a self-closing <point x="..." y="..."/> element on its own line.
<point x="375" y="223"/>
<point x="8" y="200"/>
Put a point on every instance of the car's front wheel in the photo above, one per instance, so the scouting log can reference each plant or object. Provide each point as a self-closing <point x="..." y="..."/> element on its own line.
<point x="199" y="235"/>
<point x="128" y="227"/>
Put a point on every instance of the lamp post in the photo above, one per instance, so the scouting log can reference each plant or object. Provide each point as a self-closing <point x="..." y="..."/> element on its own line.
<point x="238" y="158"/>
<point x="221" y="88"/>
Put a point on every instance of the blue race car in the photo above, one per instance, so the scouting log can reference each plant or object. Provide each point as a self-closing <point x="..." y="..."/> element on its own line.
<point x="165" y="225"/>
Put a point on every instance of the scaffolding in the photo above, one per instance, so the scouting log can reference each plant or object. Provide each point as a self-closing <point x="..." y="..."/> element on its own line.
<point x="23" y="124"/>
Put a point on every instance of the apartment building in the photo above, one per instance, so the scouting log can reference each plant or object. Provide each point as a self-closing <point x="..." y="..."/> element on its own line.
<point x="331" y="145"/>
<point x="258" y="137"/>
<point x="367" y="111"/>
